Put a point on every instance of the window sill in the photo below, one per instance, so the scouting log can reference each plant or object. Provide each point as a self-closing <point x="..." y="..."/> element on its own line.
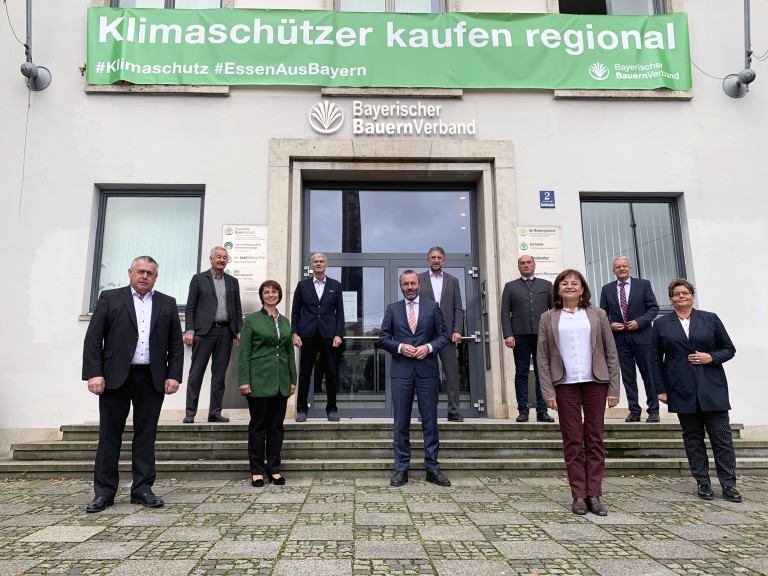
<point x="624" y="94"/>
<point x="156" y="89"/>
<point x="452" y="93"/>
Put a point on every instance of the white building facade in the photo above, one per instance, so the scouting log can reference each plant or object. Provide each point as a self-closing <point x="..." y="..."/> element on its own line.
<point x="95" y="174"/>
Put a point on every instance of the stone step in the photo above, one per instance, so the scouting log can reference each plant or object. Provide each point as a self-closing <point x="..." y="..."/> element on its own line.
<point x="382" y="429"/>
<point x="361" y="448"/>
<point x="372" y="468"/>
<point x="297" y="449"/>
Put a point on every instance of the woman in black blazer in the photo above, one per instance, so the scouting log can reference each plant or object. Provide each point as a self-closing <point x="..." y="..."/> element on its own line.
<point x="689" y="348"/>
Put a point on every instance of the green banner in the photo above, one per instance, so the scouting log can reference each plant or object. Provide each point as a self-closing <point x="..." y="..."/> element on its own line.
<point x="323" y="48"/>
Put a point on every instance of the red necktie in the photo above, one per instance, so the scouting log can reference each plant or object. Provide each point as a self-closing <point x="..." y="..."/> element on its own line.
<point x="623" y="301"/>
<point x="411" y="317"/>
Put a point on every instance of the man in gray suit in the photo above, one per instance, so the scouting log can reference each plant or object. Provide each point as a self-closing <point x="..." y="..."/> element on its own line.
<point x="214" y="317"/>
<point x="522" y="303"/>
<point x="443" y="288"/>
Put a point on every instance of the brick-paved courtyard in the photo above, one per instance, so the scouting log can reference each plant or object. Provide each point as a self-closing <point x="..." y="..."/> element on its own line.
<point x="479" y="526"/>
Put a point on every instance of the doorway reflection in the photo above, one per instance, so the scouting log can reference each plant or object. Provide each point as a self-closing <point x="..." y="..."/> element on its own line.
<point x="362" y="377"/>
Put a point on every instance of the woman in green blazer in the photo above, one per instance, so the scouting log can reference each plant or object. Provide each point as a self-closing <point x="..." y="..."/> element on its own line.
<point x="267" y="375"/>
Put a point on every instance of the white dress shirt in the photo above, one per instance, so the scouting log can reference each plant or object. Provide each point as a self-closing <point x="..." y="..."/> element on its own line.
<point x="437" y="285"/>
<point x="626" y="288"/>
<point x="416" y="312"/>
<point x="143" y="308"/>
<point x="319" y="287"/>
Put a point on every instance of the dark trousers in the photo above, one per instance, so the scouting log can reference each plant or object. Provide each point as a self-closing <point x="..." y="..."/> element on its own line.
<point x="718" y="428"/>
<point x="426" y="390"/>
<point x="450" y="362"/>
<point x="114" y="406"/>
<point x="217" y="347"/>
<point x="266" y="433"/>
<point x="524" y="350"/>
<point x="583" y="445"/>
<point x="629" y="355"/>
<point x="311" y="346"/>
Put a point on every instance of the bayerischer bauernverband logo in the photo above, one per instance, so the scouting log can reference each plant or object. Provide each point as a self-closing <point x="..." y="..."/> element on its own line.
<point x="326" y="117"/>
<point x="598" y="71"/>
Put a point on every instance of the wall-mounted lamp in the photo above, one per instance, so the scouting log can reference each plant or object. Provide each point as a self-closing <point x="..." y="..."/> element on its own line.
<point x="38" y="77"/>
<point x="737" y="85"/>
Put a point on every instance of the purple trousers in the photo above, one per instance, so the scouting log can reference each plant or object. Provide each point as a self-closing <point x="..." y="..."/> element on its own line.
<point x="583" y="438"/>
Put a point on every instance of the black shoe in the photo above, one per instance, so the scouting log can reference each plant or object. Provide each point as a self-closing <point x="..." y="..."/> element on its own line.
<point x="705" y="492"/>
<point x="333" y="416"/>
<point x="653" y="417"/>
<point x="277" y="481"/>
<point x="596" y="507"/>
<point x="189" y="420"/>
<point x="258" y="483"/>
<point x="147" y="499"/>
<point x="301" y="416"/>
<point x="437" y="477"/>
<point x="544" y="417"/>
<point x="632" y="417"/>
<point x="99" y="503"/>
<point x="217" y="418"/>
<point x="522" y="417"/>
<point x="579" y="506"/>
<point x="731" y="494"/>
<point x="399" y="479"/>
<point x="455" y="417"/>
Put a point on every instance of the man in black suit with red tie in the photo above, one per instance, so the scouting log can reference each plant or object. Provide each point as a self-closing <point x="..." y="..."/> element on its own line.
<point x="631" y="307"/>
<point x="317" y="325"/>
<point x="132" y="354"/>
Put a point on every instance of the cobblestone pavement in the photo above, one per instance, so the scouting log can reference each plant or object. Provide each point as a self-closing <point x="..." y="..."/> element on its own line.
<point x="479" y="526"/>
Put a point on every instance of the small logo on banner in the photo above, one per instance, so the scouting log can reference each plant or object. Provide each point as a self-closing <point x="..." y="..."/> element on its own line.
<point x="598" y="71"/>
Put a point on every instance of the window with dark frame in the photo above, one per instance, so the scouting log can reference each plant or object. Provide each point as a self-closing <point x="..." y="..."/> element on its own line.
<point x="166" y="225"/>
<point x="177" y="4"/>
<point x="612" y="7"/>
<point x="402" y="6"/>
<point x="646" y="230"/>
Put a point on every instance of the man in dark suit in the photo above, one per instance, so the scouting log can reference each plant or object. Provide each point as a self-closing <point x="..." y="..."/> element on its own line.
<point x="317" y="325"/>
<point x="631" y="307"/>
<point x="443" y="288"/>
<point x="214" y="317"/>
<point x="132" y="354"/>
<point x="522" y="303"/>
<point x="414" y="332"/>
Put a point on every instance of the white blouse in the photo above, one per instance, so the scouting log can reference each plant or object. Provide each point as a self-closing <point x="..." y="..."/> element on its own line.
<point x="576" y="346"/>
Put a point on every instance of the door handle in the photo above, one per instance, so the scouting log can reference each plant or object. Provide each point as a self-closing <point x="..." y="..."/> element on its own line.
<point x="476" y="338"/>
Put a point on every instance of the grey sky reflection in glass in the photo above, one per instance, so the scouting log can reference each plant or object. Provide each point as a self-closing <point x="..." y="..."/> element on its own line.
<point x="394" y="221"/>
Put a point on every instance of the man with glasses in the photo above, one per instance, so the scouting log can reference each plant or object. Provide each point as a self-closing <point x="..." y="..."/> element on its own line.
<point x="439" y="286"/>
<point x="214" y="318"/>
<point x="631" y="307"/>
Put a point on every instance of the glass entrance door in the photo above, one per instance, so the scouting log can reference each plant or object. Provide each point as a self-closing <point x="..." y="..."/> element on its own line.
<point x="370" y="236"/>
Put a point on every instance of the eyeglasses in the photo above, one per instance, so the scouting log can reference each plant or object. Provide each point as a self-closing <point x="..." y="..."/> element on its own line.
<point x="676" y="294"/>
